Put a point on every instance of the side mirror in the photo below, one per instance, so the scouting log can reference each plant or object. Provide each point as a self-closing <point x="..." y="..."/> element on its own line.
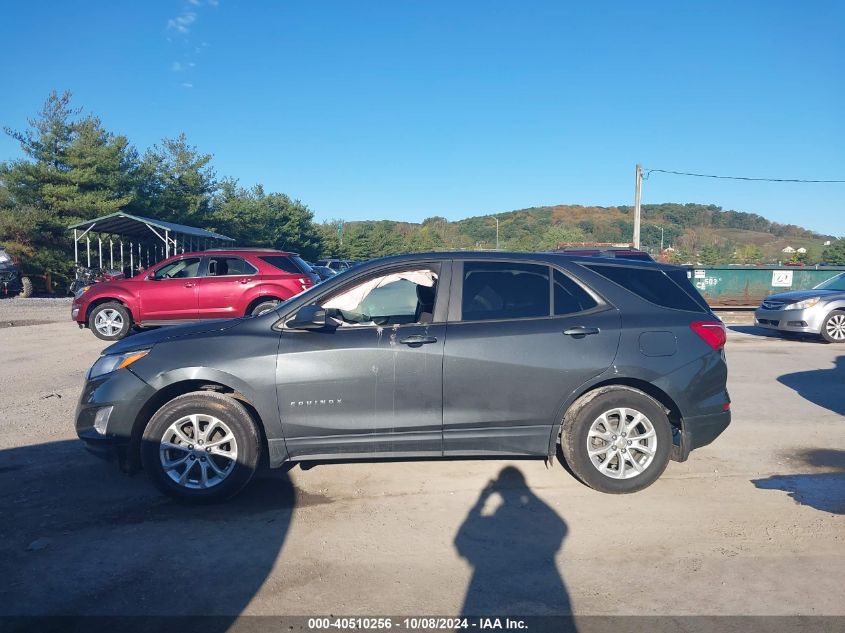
<point x="152" y="277"/>
<point x="309" y="318"/>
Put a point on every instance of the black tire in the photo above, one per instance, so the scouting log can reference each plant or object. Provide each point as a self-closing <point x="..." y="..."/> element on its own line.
<point x="229" y="412"/>
<point x="575" y="434"/>
<point x="831" y="327"/>
<point x="264" y="306"/>
<point x="121" y="318"/>
<point x="26" y="288"/>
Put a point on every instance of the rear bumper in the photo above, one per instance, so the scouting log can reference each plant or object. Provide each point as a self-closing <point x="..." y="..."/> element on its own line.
<point x="699" y="431"/>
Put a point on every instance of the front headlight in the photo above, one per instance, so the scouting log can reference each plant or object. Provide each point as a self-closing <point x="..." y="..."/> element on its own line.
<point x="802" y="305"/>
<point x="81" y="292"/>
<point x="112" y="362"/>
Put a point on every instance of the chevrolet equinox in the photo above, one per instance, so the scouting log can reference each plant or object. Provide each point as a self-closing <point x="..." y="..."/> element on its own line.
<point x="463" y="354"/>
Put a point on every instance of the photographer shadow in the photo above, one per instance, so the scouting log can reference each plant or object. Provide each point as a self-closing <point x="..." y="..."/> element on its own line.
<point x="512" y="552"/>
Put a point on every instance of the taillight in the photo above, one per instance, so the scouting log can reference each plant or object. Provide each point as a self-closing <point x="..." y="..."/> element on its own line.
<point x="711" y="332"/>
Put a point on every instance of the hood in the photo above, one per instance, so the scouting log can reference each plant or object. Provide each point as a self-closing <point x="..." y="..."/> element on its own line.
<point x="799" y="295"/>
<point x="148" y="339"/>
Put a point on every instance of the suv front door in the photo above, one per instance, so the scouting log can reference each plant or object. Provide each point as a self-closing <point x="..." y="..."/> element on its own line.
<point x="372" y="385"/>
<point x="169" y="293"/>
<point x="521" y="337"/>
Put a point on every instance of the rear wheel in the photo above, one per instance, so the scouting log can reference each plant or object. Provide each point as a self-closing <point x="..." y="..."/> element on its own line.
<point x="26" y="287"/>
<point x="264" y="306"/>
<point x="833" y="328"/>
<point x="617" y="441"/>
<point x="201" y="447"/>
<point x="110" y="321"/>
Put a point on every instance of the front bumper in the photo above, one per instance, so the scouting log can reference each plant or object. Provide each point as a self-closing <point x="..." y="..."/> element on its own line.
<point x="77" y="309"/>
<point x="808" y="321"/>
<point x="111" y="436"/>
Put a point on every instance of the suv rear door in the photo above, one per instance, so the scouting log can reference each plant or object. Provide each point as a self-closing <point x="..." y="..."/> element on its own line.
<point x="226" y="279"/>
<point x="521" y="337"/>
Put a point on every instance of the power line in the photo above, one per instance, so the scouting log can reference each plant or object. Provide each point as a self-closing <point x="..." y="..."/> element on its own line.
<point x="648" y="172"/>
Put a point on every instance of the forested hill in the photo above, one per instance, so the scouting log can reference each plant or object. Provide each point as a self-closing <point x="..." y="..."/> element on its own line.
<point x="689" y="228"/>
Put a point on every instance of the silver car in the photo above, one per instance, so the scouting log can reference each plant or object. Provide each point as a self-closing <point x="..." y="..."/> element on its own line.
<point x="818" y="311"/>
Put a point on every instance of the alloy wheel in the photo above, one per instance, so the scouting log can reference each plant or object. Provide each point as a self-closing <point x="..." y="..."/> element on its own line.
<point x="108" y="322"/>
<point x="198" y="451"/>
<point x="621" y="443"/>
<point x="835" y="327"/>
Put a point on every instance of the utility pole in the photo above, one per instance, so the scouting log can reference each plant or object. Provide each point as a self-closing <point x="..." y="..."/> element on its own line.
<point x="497" y="233"/>
<point x="638" y="186"/>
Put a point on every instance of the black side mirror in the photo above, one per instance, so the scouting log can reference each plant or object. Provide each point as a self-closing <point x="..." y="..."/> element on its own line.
<point x="309" y="318"/>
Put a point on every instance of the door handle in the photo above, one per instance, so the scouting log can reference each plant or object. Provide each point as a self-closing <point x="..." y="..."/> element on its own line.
<point x="580" y="330"/>
<point x="189" y="285"/>
<point x="417" y="339"/>
<point x="244" y="281"/>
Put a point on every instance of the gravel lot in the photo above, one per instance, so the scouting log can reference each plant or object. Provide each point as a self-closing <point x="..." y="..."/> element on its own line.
<point x="750" y="525"/>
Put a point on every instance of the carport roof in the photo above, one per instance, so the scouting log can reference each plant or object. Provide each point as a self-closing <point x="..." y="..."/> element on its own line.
<point x="127" y="225"/>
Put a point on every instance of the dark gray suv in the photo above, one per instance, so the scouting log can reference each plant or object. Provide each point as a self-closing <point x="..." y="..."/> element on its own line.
<point x="466" y="354"/>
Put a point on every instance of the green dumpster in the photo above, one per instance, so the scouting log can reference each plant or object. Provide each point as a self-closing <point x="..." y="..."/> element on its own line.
<point x="747" y="286"/>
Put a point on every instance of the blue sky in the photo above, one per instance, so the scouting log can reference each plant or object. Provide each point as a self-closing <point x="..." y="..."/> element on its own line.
<point x="405" y="109"/>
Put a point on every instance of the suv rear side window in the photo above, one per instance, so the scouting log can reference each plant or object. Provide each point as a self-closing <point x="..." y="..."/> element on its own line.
<point x="224" y="266"/>
<point x="282" y="262"/>
<point x="570" y="297"/>
<point x="504" y="290"/>
<point x="681" y="278"/>
<point x="651" y="285"/>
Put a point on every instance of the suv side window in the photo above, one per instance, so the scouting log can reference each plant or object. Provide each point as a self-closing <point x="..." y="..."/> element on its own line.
<point x="569" y="296"/>
<point x="180" y="269"/>
<point x="229" y="266"/>
<point x="398" y="298"/>
<point x="650" y="284"/>
<point x="504" y="290"/>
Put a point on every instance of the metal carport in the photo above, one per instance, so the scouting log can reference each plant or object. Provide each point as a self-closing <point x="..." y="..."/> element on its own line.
<point x="148" y="239"/>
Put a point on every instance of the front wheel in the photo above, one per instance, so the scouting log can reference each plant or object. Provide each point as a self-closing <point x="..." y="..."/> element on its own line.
<point x="833" y="328"/>
<point x="617" y="441"/>
<point x="201" y="447"/>
<point x="110" y="321"/>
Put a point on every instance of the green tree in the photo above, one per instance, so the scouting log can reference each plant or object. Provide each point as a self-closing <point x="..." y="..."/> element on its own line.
<point x="710" y="256"/>
<point x="255" y="218"/>
<point x="177" y="182"/>
<point x="834" y="254"/>
<point x="748" y="254"/>
<point x="560" y="234"/>
<point x="72" y="169"/>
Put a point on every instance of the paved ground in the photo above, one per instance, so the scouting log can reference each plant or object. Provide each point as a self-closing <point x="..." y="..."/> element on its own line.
<point x="750" y="525"/>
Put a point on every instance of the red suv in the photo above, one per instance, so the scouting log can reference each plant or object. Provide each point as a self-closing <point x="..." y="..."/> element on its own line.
<point x="191" y="286"/>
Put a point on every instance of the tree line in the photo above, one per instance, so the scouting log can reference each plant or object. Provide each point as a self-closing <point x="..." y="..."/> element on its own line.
<point x="74" y="169"/>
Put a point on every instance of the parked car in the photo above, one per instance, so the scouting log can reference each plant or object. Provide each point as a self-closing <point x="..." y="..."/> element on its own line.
<point x="12" y="280"/>
<point x="189" y="287"/>
<point x="337" y="265"/>
<point x="322" y="272"/>
<point x="820" y="311"/>
<point x="444" y="355"/>
<point x="610" y="251"/>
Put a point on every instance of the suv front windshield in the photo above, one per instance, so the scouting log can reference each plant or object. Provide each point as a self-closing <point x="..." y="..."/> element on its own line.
<point x="836" y="283"/>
